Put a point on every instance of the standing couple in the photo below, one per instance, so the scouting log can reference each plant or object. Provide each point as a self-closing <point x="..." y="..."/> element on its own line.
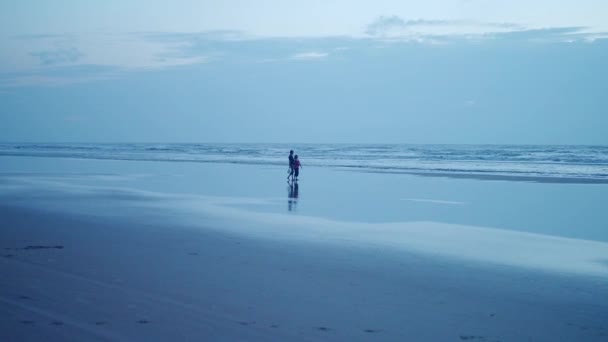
<point x="294" y="167"/>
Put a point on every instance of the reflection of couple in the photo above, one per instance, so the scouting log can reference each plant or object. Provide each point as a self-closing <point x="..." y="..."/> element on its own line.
<point x="292" y="192"/>
<point x="294" y="167"/>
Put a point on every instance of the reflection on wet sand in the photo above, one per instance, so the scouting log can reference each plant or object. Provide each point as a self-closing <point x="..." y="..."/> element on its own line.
<point x="292" y="194"/>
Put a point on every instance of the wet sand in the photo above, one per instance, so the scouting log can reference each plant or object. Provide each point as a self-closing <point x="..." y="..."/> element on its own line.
<point x="93" y="258"/>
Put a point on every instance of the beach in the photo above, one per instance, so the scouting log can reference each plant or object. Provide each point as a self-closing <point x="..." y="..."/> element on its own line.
<point x="449" y="164"/>
<point x="157" y="250"/>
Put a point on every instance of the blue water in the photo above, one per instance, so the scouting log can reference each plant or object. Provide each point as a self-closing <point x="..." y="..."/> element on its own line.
<point x="550" y="208"/>
<point x="558" y="162"/>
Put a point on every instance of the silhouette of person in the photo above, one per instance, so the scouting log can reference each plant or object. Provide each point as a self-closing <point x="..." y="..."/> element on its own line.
<point x="291" y="161"/>
<point x="296" y="167"/>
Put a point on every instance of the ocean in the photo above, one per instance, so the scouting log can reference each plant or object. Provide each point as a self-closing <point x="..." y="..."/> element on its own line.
<point x="574" y="163"/>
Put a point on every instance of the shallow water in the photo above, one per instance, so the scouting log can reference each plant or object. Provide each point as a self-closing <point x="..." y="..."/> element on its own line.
<point x="557" y="209"/>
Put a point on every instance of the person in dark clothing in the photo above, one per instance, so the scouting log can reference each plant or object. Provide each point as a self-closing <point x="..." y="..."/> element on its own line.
<point x="291" y="160"/>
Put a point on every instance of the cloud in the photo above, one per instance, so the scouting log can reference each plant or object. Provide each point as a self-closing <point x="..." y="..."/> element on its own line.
<point x="46" y="81"/>
<point x="59" y="76"/>
<point x="58" y="56"/>
<point x="38" y="36"/>
<point x="36" y="59"/>
<point x="235" y="46"/>
<point x="590" y="38"/>
<point x="555" y="34"/>
<point x="309" y="55"/>
<point x="383" y="24"/>
<point x="394" y="28"/>
<point x="215" y="35"/>
<point x="53" y="60"/>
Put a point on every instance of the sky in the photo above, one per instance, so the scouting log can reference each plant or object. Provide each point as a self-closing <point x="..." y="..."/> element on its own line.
<point x="451" y="71"/>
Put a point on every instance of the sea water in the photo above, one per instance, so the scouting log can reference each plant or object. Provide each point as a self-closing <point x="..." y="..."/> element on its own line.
<point x="557" y="163"/>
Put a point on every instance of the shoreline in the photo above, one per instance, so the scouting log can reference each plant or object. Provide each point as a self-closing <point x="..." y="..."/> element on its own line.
<point x="498" y="177"/>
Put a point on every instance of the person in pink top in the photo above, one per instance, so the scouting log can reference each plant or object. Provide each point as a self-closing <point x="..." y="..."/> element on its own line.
<point x="296" y="166"/>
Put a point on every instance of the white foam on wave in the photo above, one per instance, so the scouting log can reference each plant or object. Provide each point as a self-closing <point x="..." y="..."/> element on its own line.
<point x="577" y="162"/>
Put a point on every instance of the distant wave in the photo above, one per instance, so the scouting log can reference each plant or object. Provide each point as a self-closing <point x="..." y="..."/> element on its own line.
<point x="572" y="162"/>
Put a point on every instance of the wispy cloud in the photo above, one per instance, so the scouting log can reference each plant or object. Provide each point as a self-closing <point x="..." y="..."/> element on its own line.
<point x="561" y="34"/>
<point x="59" y="76"/>
<point x="36" y="59"/>
<point x="58" y="56"/>
<point x="383" y="24"/>
<point x="51" y="60"/>
<point x="433" y="31"/>
<point x="394" y="26"/>
<point x="308" y="56"/>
